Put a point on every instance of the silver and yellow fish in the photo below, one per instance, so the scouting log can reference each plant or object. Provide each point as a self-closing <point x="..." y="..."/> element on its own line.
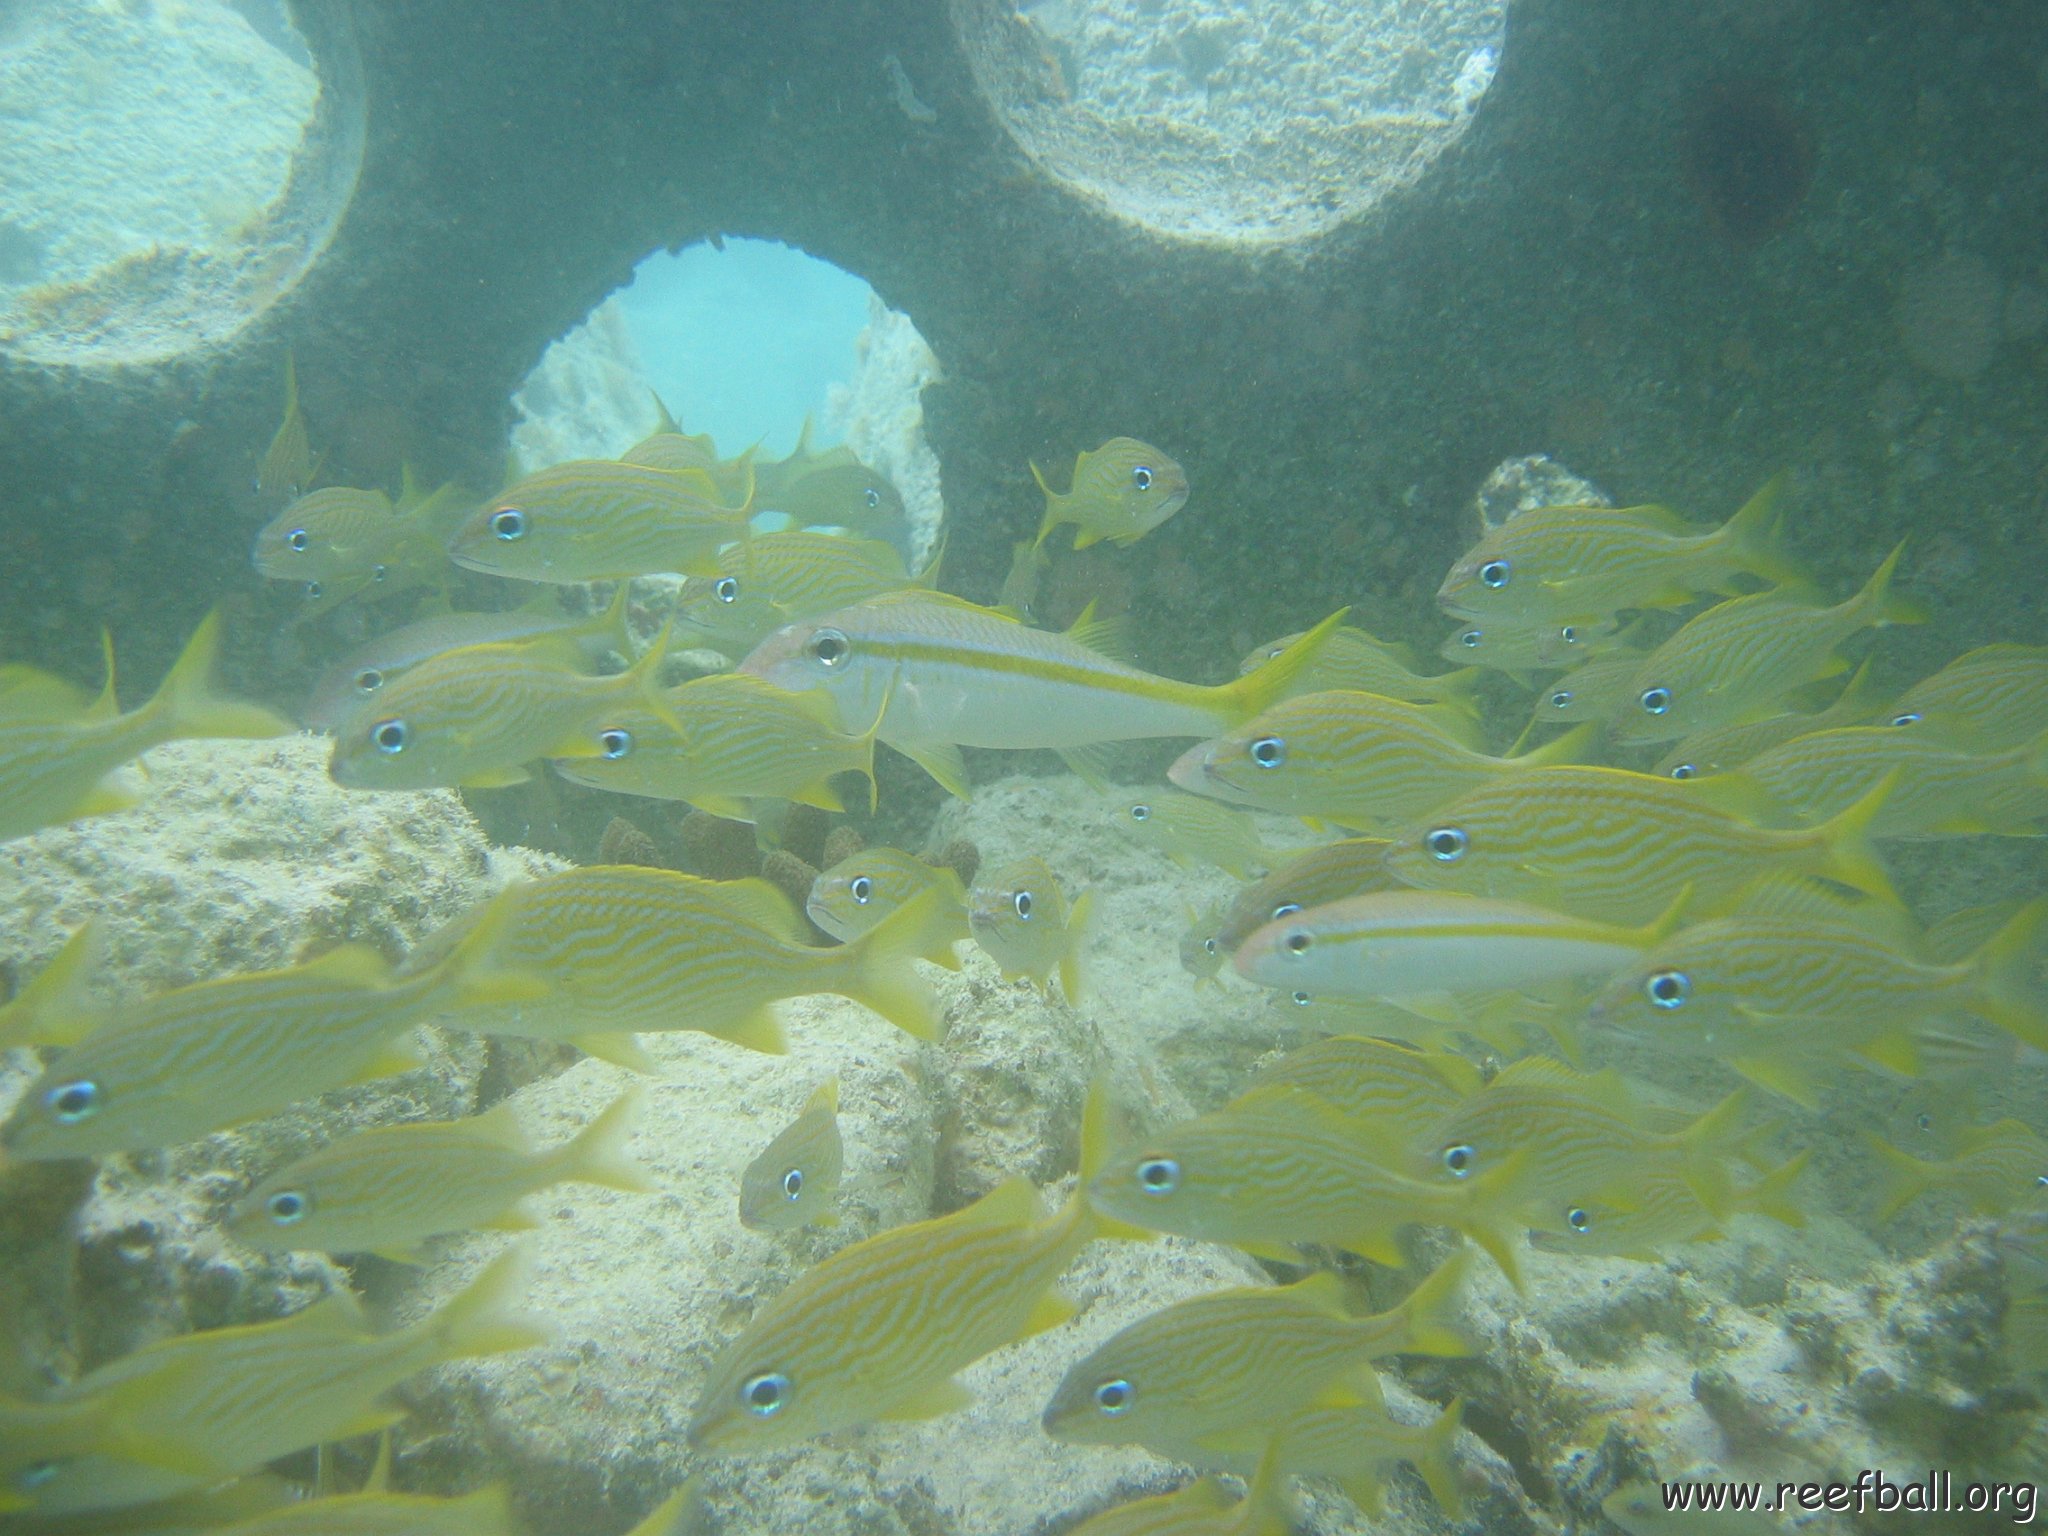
<point x="864" y="888"/>
<point x="1120" y="492"/>
<point x="600" y="520"/>
<point x="59" y="756"/>
<point x="1193" y="831"/>
<point x="792" y="1182"/>
<point x="1662" y="1209"/>
<point x="781" y="578"/>
<point x="387" y="1189"/>
<point x="1021" y="919"/>
<point x="1323" y="873"/>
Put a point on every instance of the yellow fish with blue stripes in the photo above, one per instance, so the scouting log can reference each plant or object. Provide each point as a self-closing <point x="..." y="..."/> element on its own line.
<point x="1120" y="492"/>
<point x="600" y="520"/>
<point x="791" y="1183"/>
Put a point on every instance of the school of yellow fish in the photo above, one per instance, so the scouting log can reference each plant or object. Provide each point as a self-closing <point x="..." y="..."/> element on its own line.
<point x="1692" y="864"/>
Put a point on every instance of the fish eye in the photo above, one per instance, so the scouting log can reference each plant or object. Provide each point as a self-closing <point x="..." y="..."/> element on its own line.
<point x="390" y="736"/>
<point x="726" y="589"/>
<point x="287" y="1206"/>
<point x="509" y="523"/>
<point x="369" y="680"/>
<point x="379" y="572"/>
<point x="313" y="591"/>
<point x="1656" y="701"/>
<point x="1298" y="941"/>
<point x="1445" y="844"/>
<point x="873" y="498"/>
<point x="615" y="742"/>
<point x="1458" y="1160"/>
<point x="1141" y="813"/>
<point x="1924" y="1120"/>
<point x="71" y="1103"/>
<point x="1569" y="634"/>
<point x="1470" y="639"/>
<point x="793" y="1183"/>
<point x="1684" y="771"/>
<point x="1141" y="477"/>
<point x="830" y="647"/>
<point x="1495" y="574"/>
<point x="1668" y="989"/>
<point x="1159" y="1176"/>
<point x="298" y="541"/>
<point x="861" y="889"/>
<point x="1285" y="909"/>
<point x="1208" y="946"/>
<point x="1578" y="1219"/>
<point x="763" y="1395"/>
<point x="1114" y="1396"/>
<point x="1269" y="751"/>
<point x="1299" y="999"/>
<point x="1910" y="717"/>
<point x="1021" y="904"/>
<point x="1561" y="699"/>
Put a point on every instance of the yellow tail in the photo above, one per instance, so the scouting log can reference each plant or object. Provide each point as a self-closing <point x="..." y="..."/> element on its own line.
<point x="2005" y="974"/>
<point x="1750" y="537"/>
<point x="600" y="1152"/>
<point x="878" y="972"/>
<point x="482" y="1319"/>
<point x="1906" y="1178"/>
<point x="1053" y="503"/>
<point x="186" y="706"/>
<point x="1844" y="843"/>
<point x="1265" y="685"/>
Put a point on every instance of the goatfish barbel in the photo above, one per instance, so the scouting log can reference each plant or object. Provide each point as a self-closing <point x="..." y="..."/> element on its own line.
<point x="943" y="673"/>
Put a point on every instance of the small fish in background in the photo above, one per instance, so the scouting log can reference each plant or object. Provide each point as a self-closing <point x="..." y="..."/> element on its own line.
<point x="1989" y="700"/>
<point x="864" y="888"/>
<point x="287" y="467"/>
<point x="781" y="578"/>
<point x="1997" y="1168"/>
<point x="600" y="520"/>
<point x="828" y="488"/>
<point x="1595" y="690"/>
<point x="1401" y="1088"/>
<point x="1221" y="1361"/>
<point x="479" y="716"/>
<point x="342" y="542"/>
<point x="792" y="1182"/>
<point x="1730" y="746"/>
<point x="1938" y="789"/>
<point x="1201" y="950"/>
<point x="1021" y="919"/>
<point x="1193" y="831"/>
<point x="1350" y="1437"/>
<point x="1202" y="1508"/>
<point x="1522" y="649"/>
<point x="1574" y="565"/>
<point x="1662" y="1209"/>
<point x="60" y="756"/>
<point x="1354" y="659"/>
<point x="1120" y="492"/>
<point x="386" y="1190"/>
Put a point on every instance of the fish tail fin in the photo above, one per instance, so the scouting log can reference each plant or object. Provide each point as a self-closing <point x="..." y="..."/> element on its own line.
<point x="1265" y="685"/>
<point x="56" y="1008"/>
<point x="1877" y="604"/>
<point x="1772" y="1194"/>
<point x="1432" y="1459"/>
<point x="616" y="622"/>
<point x="1430" y="1311"/>
<point x="1845" y="847"/>
<point x="483" y="1319"/>
<point x="1098" y="1141"/>
<point x="599" y="1153"/>
<point x="1751" y="536"/>
<point x="1078" y="919"/>
<point x="1054" y="501"/>
<point x="644" y="678"/>
<point x="1906" y="1178"/>
<point x="1458" y="688"/>
<point x="2005" y="973"/>
<point x="186" y="706"/>
<point x="880" y="974"/>
<point x="1580" y="744"/>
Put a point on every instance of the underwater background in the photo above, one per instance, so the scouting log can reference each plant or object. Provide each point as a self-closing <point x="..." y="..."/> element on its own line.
<point x="1305" y="306"/>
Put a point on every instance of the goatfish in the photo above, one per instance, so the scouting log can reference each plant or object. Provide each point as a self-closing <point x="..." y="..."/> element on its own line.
<point x="1120" y="492"/>
<point x="1938" y="789"/>
<point x="1723" y="747"/>
<point x="1020" y="917"/>
<point x="387" y="1189"/>
<point x="364" y="670"/>
<point x="942" y="674"/>
<point x="1564" y="565"/>
<point x="1414" y="943"/>
<point x="193" y="1409"/>
<point x="218" y="1053"/>
<point x="1617" y="846"/>
<point x="1324" y="873"/>
<point x="1739" y="658"/>
<point x="599" y="520"/>
<point x="286" y="468"/>
<point x="780" y="578"/>
<point x="1280" y="1167"/>
<point x="620" y="948"/>
<point x="1216" y="1363"/>
<point x="1662" y="1209"/>
<point x="1996" y="1168"/>
<point x="1990" y="699"/>
<point x="1352" y="758"/>
<point x="60" y="756"/>
<point x="865" y="887"/>
<point x="1402" y="1089"/>
<point x="478" y="716"/>
<point x="827" y="488"/>
<point x="1357" y="660"/>
<point x="1519" y="649"/>
<point x="879" y="1330"/>
<point x="792" y="1182"/>
<point x="1193" y="831"/>
<point x="720" y="743"/>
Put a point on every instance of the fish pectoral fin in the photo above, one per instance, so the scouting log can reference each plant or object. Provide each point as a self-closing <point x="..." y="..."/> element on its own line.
<point x="1049" y="1311"/>
<point x="1380" y="1247"/>
<point x="1779" y="1077"/>
<point x="621" y="1048"/>
<point x="942" y="760"/>
<point x="514" y="1220"/>
<point x="931" y="1402"/>
<point x="1090" y="764"/>
<point x="398" y="1057"/>
<point x="415" y="1258"/>
<point x="1272" y="1253"/>
<point x="758" y="1031"/>
<point x="1897" y="1053"/>
<point x="730" y="807"/>
<point x="497" y="778"/>
<point x="116" y="792"/>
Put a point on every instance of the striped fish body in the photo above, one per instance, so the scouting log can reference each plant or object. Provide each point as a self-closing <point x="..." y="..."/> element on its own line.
<point x="1503" y="645"/>
<point x="791" y="1183"/>
<point x="862" y="889"/>
<point x="951" y="672"/>
<point x="486" y="1512"/>
<point x="1410" y="943"/>
<point x="878" y="1330"/>
<point x="1938" y="788"/>
<point x="1020" y="917"/>
<point x="1997" y="1168"/>
<point x="1354" y="1440"/>
<point x="780" y="578"/>
<point x="1663" y="1209"/>
<point x="1617" y="846"/>
<point x="827" y="488"/>
<point x="287" y="464"/>
<point x="1989" y="699"/>
<point x="1730" y="746"/>
<point x="1252" y="1355"/>
<point x="599" y="520"/>
<point x="1202" y="1508"/>
<point x="1193" y="831"/>
<point x="328" y="535"/>
<point x="477" y="716"/>
<point x="1400" y="1089"/>
<point x="1357" y="661"/>
<point x="721" y="741"/>
<point x="1596" y="690"/>
<point x="218" y="1053"/>
<point x="1120" y="492"/>
<point x="1352" y="758"/>
<point x="1327" y="872"/>
<point x="673" y="451"/>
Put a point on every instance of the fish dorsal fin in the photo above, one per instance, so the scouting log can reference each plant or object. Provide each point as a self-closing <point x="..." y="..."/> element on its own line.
<point x="499" y="1126"/>
<point x="1012" y="1203"/>
<point x="106" y="706"/>
<point x="762" y="904"/>
<point x="1660" y="517"/>
<point x="350" y="965"/>
<point x="824" y="1098"/>
<point x="663" y="422"/>
<point x="1109" y="637"/>
<point x="1324" y="1291"/>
